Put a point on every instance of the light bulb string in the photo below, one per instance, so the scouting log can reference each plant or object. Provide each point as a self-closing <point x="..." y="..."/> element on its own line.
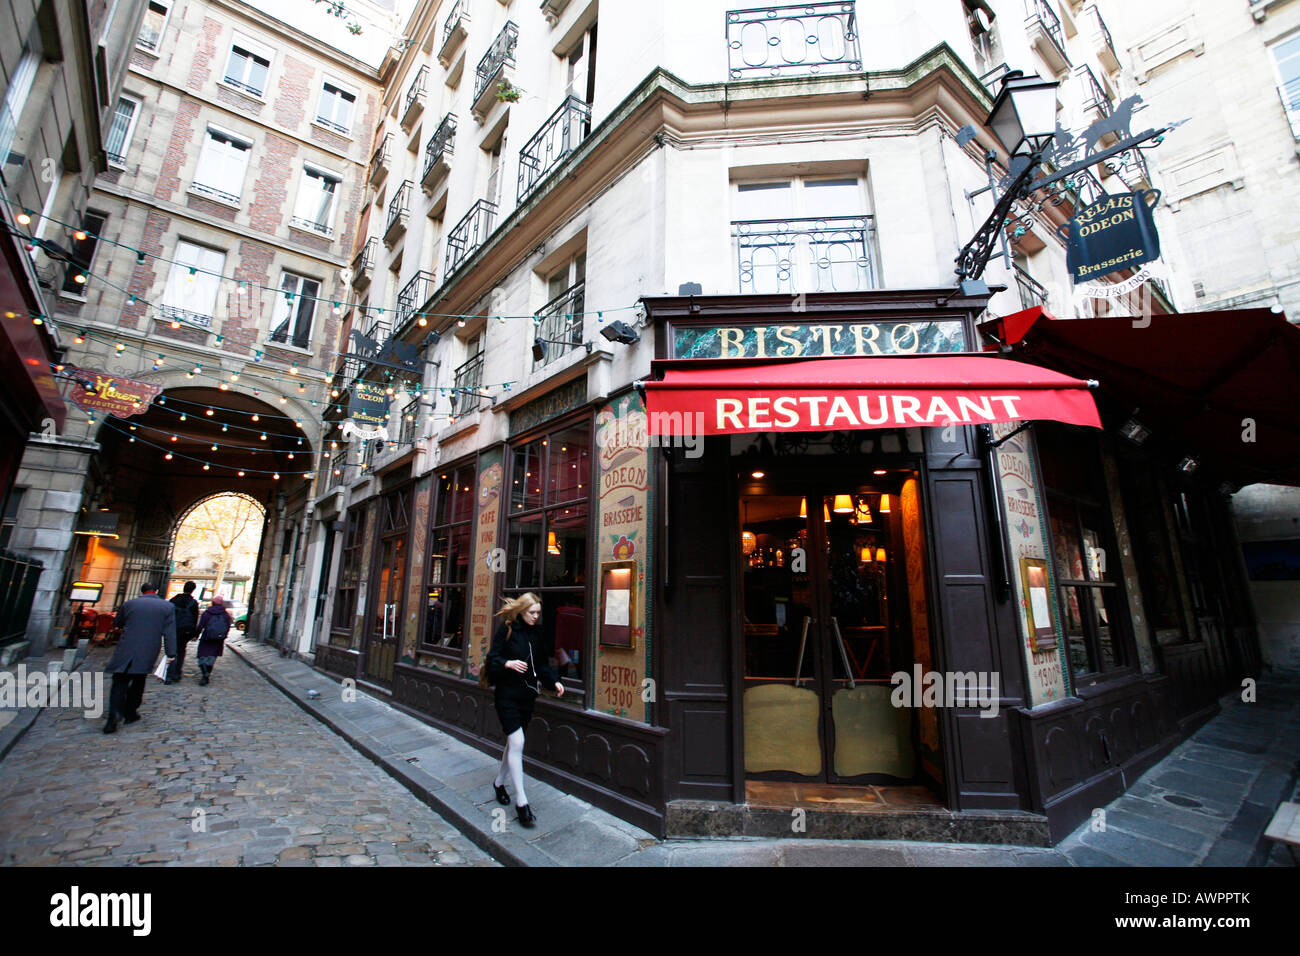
<point x="344" y="304"/>
<point x="111" y="423"/>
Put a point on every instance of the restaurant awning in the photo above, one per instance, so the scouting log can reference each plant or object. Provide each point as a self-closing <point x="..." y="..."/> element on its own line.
<point x="1220" y="387"/>
<point x="722" y="397"/>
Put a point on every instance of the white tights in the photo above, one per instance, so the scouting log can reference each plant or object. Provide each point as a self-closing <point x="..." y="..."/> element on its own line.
<point x="512" y="759"/>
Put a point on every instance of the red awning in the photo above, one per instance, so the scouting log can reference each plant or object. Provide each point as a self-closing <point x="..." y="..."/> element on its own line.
<point x="722" y="397"/>
<point x="1221" y="387"/>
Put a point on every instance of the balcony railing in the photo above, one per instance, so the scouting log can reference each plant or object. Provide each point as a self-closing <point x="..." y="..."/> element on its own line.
<point x="380" y="159"/>
<point x="1032" y="292"/>
<point x="215" y="193"/>
<point x="440" y="146"/>
<point x="1290" y="93"/>
<point x="1039" y="14"/>
<point x="184" y="316"/>
<point x="558" y="137"/>
<point x="560" y="321"/>
<point x="1133" y="170"/>
<point x="399" y="208"/>
<point x="797" y="40"/>
<point x="498" y="55"/>
<point x="1094" y="94"/>
<point x="409" y="424"/>
<point x="365" y="258"/>
<point x="469" y="234"/>
<point x="376" y="324"/>
<point x="415" y="95"/>
<point x="1107" y="53"/>
<point x="468" y="381"/>
<point x="458" y="13"/>
<point x="325" y="229"/>
<point x="413" y="295"/>
<point x="830" y="254"/>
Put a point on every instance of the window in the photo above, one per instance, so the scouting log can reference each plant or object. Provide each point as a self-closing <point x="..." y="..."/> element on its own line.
<point x="153" y="25"/>
<point x="118" y="140"/>
<point x="580" y="72"/>
<point x="546" y="550"/>
<point x="191" y="292"/>
<point x="10" y="519"/>
<point x="560" y="319"/>
<point x="295" y="308"/>
<point x="493" y="192"/>
<point x="1088" y="571"/>
<point x="248" y="66"/>
<point x="314" y="208"/>
<point x="83" y="252"/>
<point x="1287" y="57"/>
<point x="222" y="164"/>
<point x="803" y="235"/>
<point x="335" y="108"/>
<point x="350" y="572"/>
<point x="450" y="560"/>
<point x="20" y="86"/>
<point x="467" y="380"/>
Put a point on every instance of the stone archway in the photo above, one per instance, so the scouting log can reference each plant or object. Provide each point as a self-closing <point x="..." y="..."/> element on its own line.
<point x="215" y="544"/>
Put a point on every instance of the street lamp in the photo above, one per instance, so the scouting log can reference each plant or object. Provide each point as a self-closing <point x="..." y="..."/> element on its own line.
<point x="1024" y="114"/>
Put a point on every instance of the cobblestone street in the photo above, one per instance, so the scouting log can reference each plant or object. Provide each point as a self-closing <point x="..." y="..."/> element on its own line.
<point x="273" y="787"/>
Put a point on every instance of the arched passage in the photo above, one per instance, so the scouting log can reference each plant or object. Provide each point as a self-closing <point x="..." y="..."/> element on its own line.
<point x="215" y="545"/>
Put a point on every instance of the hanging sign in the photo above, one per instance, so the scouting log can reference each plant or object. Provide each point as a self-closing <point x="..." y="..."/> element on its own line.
<point x="1116" y="232"/>
<point x="117" y="396"/>
<point x="368" y="406"/>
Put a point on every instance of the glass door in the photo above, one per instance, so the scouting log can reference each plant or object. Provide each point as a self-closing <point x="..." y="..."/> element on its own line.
<point x="385" y="615"/>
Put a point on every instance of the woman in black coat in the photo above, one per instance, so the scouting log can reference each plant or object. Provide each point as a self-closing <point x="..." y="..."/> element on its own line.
<point x="517" y="665"/>
<point x="214" y="625"/>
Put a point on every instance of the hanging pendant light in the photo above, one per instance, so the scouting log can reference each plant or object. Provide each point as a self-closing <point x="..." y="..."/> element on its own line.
<point x="865" y="556"/>
<point x="880" y="555"/>
<point x="803" y="507"/>
<point x="843" y="504"/>
<point x="552" y="545"/>
<point x="884" y="504"/>
<point x="748" y="542"/>
<point x="826" y="512"/>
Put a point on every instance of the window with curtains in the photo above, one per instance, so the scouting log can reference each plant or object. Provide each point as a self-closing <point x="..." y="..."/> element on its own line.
<point x="248" y="66"/>
<point x="294" y="311"/>
<point x="450" y="561"/>
<point x="83" y="252"/>
<point x="118" y="140"/>
<point x="192" y="284"/>
<point x="222" y="165"/>
<point x="350" y="571"/>
<point x="1088" y="573"/>
<point x="314" y="208"/>
<point x="547" y="544"/>
<point x="153" y="25"/>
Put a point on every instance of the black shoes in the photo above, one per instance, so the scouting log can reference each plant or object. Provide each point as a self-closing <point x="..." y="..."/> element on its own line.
<point x="503" y="797"/>
<point x="130" y="718"/>
<point x="111" y="726"/>
<point x="526" y="816"/>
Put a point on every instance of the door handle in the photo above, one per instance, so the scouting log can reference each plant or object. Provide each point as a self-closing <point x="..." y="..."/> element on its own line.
<point x="844" y="655"/>
<point x="803" y="643"/>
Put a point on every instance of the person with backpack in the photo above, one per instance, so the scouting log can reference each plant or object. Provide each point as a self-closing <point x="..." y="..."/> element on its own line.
<point x="214" y="625"/>
<point x="187" y="625"/>
<point x="516" y="666"/>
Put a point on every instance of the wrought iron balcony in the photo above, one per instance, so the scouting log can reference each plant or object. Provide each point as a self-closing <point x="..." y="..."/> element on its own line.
<point x="376" y="324"/>
<point x="500" y="55"/>
<point x="1032" y="292"/>
<point x="1094" y="94"/>
<point x="311" y="225"/>
<point x="413" y="295"/>
<point x="414" y="104"/>
<point x="560" y="321"/>
<point x="438" y="151"/>
<point x="399" y="209"/>
<point x="469" y="234"/>
<point x="1133" y="170"/>
<point x="1103" y="42"/>
<point x="559" y="136"/>
<point x="1046" y="35"/>
<point x="454" y="30"/>
<point x="992" y="80"/>
<point x="363" y="262"/>
<point x="468" y="381"/>
<point x="797" y="40"/>
<point x="117" y="159"/>
<point x="184" y="316"/>
<point x="380" y="159"/>
<point x="410" y="423"/>
<point x="215" y="193"/>
<point x="831" y="254"/>
<point x="1290" y="93"/>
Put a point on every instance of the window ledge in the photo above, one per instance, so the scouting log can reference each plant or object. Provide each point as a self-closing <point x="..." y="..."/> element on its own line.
<point x="71" y="296"/>
<point x="117" y="166"/>
<point x="307" y="231"/>
<point x="287" y="347"/>
<point x="146" y="51"/>
<point x="260" y="100"/>
<point x="330" y="129"/>
<point x="211" y="198"/>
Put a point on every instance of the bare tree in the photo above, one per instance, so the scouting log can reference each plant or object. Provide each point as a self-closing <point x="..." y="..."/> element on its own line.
<point x="222" y="520"/>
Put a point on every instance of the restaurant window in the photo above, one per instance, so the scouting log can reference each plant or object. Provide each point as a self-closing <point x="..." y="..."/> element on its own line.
<point x="803" y="235"/>
<point x="350" y="571"/>
<point x="450" y="561"/>
<point x="1088" y="572"/>
<point x="1153" y="538"/>
<point x="546" y="547"/>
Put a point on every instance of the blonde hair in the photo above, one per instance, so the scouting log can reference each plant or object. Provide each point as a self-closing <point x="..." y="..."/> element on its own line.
<point x="511" y="609"/>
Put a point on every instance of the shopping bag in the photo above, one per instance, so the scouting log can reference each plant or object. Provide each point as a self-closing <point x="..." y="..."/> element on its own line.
<point x="160" y="671"/>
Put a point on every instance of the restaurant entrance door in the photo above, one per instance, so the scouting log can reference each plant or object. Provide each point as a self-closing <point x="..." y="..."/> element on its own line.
<point x="832" y="603"/>
<point x="385" y="615"/>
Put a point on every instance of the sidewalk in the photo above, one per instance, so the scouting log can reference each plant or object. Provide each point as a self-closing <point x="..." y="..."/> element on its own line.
<point x="1206" y="804"/>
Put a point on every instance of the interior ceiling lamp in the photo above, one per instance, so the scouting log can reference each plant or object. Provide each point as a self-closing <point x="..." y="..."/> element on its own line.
<point x="826" y="512"/>
<point x="553" y="545"/>
<point x="865" y="556"/>
<point x="881" y="557"/>
<point x="1135" y="431"/>
<point x="843" y="504"/>
<point x="803" y="507"/>
<point x="884" y="505"/>
<point x="620" y="332"/>
<point x="748" y="542"/>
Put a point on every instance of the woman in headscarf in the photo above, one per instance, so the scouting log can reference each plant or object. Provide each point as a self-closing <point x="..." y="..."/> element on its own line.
<point x="214" y="625"/>
<point x="517" y="665"/>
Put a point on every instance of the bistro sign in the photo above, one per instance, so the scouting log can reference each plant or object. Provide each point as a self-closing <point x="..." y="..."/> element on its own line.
<point x="1114" y="233"/>
<point x="117" y="396"/>
<point x="820" y="340"/>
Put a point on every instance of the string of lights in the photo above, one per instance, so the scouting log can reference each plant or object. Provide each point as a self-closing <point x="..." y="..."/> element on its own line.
<point x="169" y="455"/>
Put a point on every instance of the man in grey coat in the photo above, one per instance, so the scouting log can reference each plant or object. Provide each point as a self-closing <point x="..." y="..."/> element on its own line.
<point x="144" y="621"/>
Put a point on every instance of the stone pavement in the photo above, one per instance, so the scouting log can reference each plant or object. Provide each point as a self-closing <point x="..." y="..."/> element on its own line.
<point x="1235" y="770"/>
<point x="228" y="774"/>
